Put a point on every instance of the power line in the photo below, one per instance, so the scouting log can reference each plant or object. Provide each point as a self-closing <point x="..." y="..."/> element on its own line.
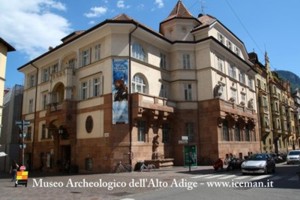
<point x="244" y="27"/>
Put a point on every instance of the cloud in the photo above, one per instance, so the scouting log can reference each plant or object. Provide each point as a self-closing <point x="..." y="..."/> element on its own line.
<point x="96" y="12"/>
<point x="33" y="26"/>
<point x="121" y="4"/>
<point x="159" y="3"/>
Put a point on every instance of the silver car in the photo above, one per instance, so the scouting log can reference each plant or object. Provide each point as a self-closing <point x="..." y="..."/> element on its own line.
<point x="258" y="163"/>
<point x="293" y="157"/>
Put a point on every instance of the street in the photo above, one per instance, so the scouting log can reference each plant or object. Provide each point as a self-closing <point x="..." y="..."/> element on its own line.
<point x="172" y="183"/>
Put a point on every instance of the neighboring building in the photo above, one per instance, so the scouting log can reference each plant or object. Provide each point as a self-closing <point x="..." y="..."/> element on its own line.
<point x="264" y="108"/>
<point x="276" y="109"/>
<point x="12" y="112"/>
<point x="296" y="96"/>
<point x="4" y="49"/>
<point x="193" y="79"/>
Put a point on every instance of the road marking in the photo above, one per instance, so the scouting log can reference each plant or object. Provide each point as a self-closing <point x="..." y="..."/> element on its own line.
<point x="241" y="177"/>
<point x="227" y="177"/>
<point x="260" y="177"/>
<point x="274" y="178"/>
<point x="294" y="178"/>
<point x="201" y="176"/>
<point x="214" y="176"/>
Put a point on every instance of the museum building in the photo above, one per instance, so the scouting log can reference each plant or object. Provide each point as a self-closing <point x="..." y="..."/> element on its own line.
<point x="121" y="92"/>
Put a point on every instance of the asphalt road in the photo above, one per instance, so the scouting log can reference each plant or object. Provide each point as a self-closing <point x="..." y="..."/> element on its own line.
<point x="284" y="184"/>
<point x="169" y="184"/>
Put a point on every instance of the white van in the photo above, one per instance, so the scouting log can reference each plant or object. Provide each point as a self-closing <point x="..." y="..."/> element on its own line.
<point x="293" y="157"/>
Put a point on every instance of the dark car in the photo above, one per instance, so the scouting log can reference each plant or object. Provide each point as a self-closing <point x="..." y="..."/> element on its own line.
<point x="259" y="163"/>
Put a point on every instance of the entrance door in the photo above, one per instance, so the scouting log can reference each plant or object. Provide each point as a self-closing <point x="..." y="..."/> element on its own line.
<point x="66" y="157"/>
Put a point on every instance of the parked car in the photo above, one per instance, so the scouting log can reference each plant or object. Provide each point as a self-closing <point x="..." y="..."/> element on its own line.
<point x="293" y="157"/>
<point x="259" y="163"/>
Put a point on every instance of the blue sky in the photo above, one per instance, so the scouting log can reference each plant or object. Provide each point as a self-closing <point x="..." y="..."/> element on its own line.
<point x="31" y="26"/>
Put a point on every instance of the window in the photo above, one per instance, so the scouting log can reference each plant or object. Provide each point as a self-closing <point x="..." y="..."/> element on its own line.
<point x="138" y="52"/>
<point x="85" y="57"/>
<point x="84" y="90"/>
<point x="265" y="104"/>
<point x="163" y="61"/>
<point x="237" y="51"/>
<point x="44" y="101"/>
<point x="189" y="131"/>
<point x="258" y="84"/>
<point x="141" y="130"/>
<point x="30" y="107"/>
<point x="55" y="68"/>
<point x="28" y="134"/>
<point x="31" y="81"/>
<point x="229" y="45"/>
<point x="186" y="61"/>
<point x="96" y="87"/>
<point x="225" y="131"/>
<point x="188" y="92"/>
<point x="46" y="74"/>
<point x="232" y="71"/>
<point x="221" y="38"/>
<point x="237" y="132"/>
<point x="220" y="64"/>
<point x="163" y="91"/>
<point x="250" y="83"/>
<point x="233" y="94"/>
<point x="242" y="78"/>
<point x="139" y="84"/>
<point x="243" y="98"/>
<point x="165" y="133"/>
<point x="71" y="63"/>
<point x="97" y="52"/>
<point x="44" y="131"/>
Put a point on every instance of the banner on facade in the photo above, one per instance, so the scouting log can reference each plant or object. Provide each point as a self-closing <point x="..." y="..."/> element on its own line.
<point x="120" y="91"/>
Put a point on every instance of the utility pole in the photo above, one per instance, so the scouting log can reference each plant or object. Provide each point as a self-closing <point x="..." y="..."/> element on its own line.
<point x="23" y="131"/>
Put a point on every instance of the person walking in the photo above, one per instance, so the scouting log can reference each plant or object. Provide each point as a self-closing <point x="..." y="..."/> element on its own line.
<point x="13" y="170"/>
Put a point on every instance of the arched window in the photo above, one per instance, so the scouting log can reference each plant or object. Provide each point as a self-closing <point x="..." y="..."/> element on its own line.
<point x="237" y="132"/>
<point x="138" y="52"/>
<point x="139" y="84"/>
<point x="225" y="131"/>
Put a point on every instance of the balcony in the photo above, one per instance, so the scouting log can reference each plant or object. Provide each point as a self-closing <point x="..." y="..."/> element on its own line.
<point x="156" y="106"/>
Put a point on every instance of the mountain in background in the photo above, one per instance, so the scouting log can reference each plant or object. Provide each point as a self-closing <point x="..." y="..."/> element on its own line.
<point x="291" y="77"/>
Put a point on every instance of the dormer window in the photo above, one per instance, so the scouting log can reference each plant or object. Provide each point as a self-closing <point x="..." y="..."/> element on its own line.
<point x="237" y="51"/>
<point x="221" y="38"/>
<point x="229" y="44"/>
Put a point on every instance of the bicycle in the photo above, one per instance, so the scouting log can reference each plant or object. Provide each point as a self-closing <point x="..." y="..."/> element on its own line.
<point x="122" y="168"/>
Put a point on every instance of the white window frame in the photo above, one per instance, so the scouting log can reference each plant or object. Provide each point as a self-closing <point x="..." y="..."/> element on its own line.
<point x="220" y="63"/>
<point x="232" y="71"/>
<point x="85" y="57"/>
<point x="188" y="92"/>
<point x="97" y="52"/>
<point x="221" y="38"/>
<point x="96" y="86"/>
<point x="84" y="90"/>
<point x="46" y="74"/>
<point x="186" y="61"/>
<point x="138" y="52"/>
<point x="163" y="61"/>
<point x="139" y="84"/>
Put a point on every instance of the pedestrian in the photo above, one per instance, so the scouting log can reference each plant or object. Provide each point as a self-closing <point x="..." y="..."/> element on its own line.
<point x="13" y="170"/>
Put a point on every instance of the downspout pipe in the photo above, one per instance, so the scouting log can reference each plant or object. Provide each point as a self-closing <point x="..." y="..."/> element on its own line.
<point x="129" y="97"/>
<point x="35" y="112"/>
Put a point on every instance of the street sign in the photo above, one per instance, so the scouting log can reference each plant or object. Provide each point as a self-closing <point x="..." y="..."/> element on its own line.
<point x="23" y="122"/>
<point x="184" y="137"/>
<point x="182" y="141"/>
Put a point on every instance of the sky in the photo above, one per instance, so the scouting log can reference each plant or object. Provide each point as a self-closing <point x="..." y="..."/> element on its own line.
<point x="32" y="26"/>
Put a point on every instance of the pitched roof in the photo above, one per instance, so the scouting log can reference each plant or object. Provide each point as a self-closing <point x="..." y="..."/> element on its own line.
<point x="179" y="11"/>
<point x="9" y="47"/>
<point x="122" y="17"/>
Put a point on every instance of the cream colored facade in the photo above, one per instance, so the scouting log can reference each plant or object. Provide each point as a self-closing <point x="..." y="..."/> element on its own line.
<point x="191" y="79"/>
<point x="4" y="49"/>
